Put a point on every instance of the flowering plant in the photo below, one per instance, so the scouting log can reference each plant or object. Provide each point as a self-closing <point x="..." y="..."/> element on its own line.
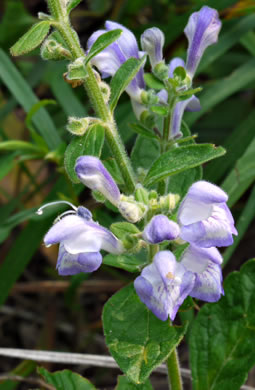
<point x="169" y="221"/>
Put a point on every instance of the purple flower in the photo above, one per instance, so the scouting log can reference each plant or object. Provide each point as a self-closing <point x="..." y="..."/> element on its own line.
<point x="205" y="264"/>
<point x="190" y="104"/>
<point x="112" y="57"/>
<point x="204" y="216"/>
<point x="202" y="31"/>
<point x="152" y="42"/>
<point x="81" y="240"/>
<point x="91" y="172"/>
<point x="163" y="285"/>
<point x="159" y="229"/>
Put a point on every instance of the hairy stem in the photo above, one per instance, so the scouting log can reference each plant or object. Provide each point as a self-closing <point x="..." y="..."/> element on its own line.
<point x="62" y="24"/>
<point x="174" y="372"/>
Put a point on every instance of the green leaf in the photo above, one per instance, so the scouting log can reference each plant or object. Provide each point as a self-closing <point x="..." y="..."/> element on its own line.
<point x="130" y="263"/>
<point x="31" y="39"/>
<point x="7" y="162"/>
<point x="112" y="166"/>
<point x="144" y="152"/>
<point x="102" y="42"/>
<point x="220" y="90"/>
<point x="180" y="183"/>
<point x="125" y="384"/>
<point x="72" y="4"/>
<point x="121" y="229"/>
<point x="159" y="110"/>
<point x="21" y="146"/>
<point x="36" y="107"/>
<point x="235" y="144"/>
<point x="222" y="335"/>
<point x="152" y="82"/>
<point x="137" y="339"/>
<point x="138" y="128"/>
<point x="77" y="70"/>
<point x="122" y="78"/>
<point x="24" y="369"/>
<point x="65" y="380"/>
<point x="63" y="92"/>
<point x="26" y="98"/>
<point x="243" y="222"/>
<point x="180" y="159"/>
<point x="241" y="176"/>
<point x="91" y="143"/>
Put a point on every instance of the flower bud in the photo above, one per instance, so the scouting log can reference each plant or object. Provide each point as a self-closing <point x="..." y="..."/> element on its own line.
<point x="160" y="229"/>
<point x="141" y="195"/>
<point x="77" y="70"/>
<point x="77" y="126"/>
<point x="91" y="172"/>
<point x="131" y="210"/>
<point x="169" y="202"/>
<point x="106" y="91"/>
<point x="161" y="71"/>
<point x="152" y="41"/>
<point x="149" y="97"/>
<point x="202" y="31"/>
<point x="53" y="50"/>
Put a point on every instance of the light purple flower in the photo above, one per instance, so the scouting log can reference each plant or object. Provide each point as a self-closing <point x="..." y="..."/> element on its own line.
<point x="163" y="285"/>
<point x="112" y="57"/>
<point x="204" y="216"/>
<point x="159" y="229"/>
<point x="81" y="240"/>
<point x="202" y="31"/>
<point x="152" y="42"/>
<point x="91" y="172"/>
<point x="190" y="104"/>
<point x="205" y="264"/>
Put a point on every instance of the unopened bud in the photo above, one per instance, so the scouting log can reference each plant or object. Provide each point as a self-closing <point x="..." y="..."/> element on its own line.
<point x="141" y="195"/>
<point x="106" y="91"/>
<point x="161" y="71"/>
<point x="77" y="126"/>
<point x="169" y="202"/>
<point x="147" y="119"/>
<point x="149" y="97"/>
<point x="77" y="70"/>
<point x="131" y="210"/>
<point x="52" y="50"/>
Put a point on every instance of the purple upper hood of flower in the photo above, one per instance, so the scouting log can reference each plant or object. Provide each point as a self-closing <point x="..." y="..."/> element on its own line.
<point x="205" y="218"/>
<point x="152" y="42"/>
<point x="112" y="57"/>
<point x="91" y="172"/>
<point x="202" y="31"/>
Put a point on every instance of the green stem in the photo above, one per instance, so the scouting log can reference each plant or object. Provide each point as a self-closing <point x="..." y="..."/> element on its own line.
<point x="174" y="373"/>
<point x="95" y="95"/>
